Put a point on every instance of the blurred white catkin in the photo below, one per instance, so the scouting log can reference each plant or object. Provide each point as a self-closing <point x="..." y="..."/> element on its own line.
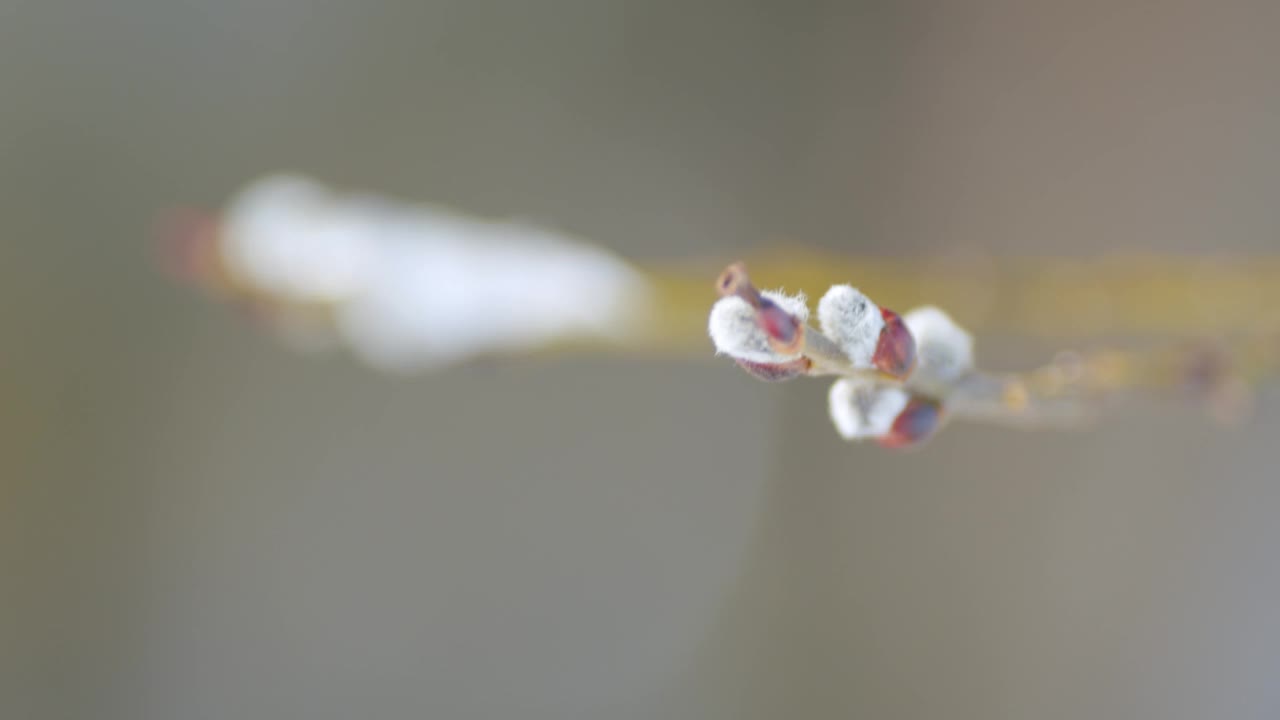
<point x="409" y="286"/>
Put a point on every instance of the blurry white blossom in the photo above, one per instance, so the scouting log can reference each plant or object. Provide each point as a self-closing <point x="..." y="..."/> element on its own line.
<point x="862" y="408"/>
<point x="944" y="351"/>
<point x="411" y="286"/>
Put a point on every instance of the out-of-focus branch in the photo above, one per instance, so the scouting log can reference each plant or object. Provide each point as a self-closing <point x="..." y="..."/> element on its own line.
<point x="411" y="287"/>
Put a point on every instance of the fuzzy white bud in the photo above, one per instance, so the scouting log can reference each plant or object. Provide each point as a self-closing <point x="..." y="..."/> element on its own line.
<point x="864" y="408"/>
<point x="736" y="333"/>
<point x="944" y="350"/>
<point x="852" y="321"/>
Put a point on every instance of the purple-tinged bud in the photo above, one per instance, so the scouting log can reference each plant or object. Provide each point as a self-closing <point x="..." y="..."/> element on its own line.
<point x="776" y="320"/>
<point x="896" y="349"/>
<point x="785" y="331"/>
<point x="915" y="424"/>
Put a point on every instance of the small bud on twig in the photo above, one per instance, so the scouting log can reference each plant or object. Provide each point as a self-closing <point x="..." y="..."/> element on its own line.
<point x="853" y="322"/>
<point x="862" y="408"/>
<point x="915" y="424"/>
<point x="764" y="329"/>
<point x="896" y="349"/>
<point x="944" y="350"/>
<point x="784" y="329"/>
<point x="870" y="336"/>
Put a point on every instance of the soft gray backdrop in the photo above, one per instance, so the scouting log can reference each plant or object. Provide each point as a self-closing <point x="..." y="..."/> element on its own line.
<point x="195" y="523"/>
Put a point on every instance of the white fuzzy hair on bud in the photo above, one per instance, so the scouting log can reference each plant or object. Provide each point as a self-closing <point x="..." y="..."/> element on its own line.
<point x="852" y="321"/>
<point x="735" y="332"/>
<point x="863" y="408"/>
<point x="943" y="348"/>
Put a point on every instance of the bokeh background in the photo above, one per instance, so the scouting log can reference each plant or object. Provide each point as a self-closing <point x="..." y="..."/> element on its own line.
<point x="197" y="523"/>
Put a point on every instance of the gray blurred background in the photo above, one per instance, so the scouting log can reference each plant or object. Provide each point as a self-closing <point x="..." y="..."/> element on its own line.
<point x="196" y="523"/>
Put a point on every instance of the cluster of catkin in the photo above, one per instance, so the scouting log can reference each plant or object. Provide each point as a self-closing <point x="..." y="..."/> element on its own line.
<point x="895" y="373"/>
